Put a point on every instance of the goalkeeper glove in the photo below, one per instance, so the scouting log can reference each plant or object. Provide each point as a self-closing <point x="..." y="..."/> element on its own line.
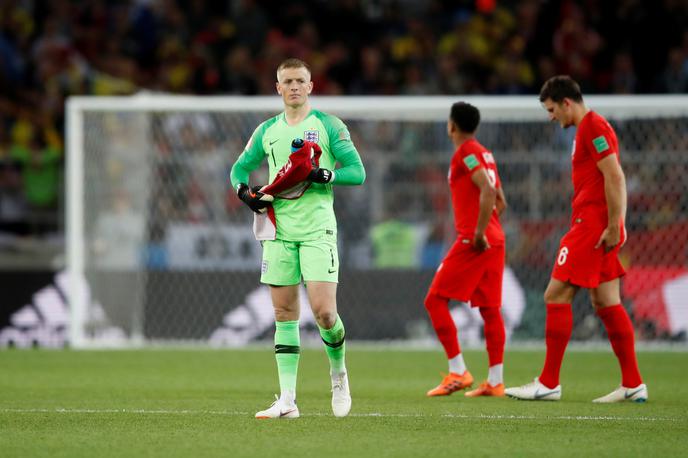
<point x="256" y="200"/>
<point x="319" y="175"/>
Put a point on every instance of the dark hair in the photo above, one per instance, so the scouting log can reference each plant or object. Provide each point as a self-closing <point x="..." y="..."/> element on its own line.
<point x="465" y="116"/>
<point x="293" y="62"/>
<point x="561" y="87"/>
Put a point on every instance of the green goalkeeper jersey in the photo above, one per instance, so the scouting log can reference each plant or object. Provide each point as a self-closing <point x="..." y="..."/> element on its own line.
<point x="312" y="215"/>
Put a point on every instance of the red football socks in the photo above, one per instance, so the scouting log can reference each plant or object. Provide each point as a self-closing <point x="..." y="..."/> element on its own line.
<point x="558" y="327"/>
<point x="442" y="321"/>
<point x="620" y="331"/>
<point x="495" y="335"/>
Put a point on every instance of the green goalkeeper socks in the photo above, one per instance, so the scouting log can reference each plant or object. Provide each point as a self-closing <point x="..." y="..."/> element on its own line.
<point x="334" y="345"/>
<point x="287" y="350"/>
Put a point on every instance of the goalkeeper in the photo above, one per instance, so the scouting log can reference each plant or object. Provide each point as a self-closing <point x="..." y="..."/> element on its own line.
<point x="306" y="231"/>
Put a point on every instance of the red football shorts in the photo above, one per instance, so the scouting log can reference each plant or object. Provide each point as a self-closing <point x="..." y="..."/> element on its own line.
<point x="578" y="262"/>
<point x="468" y="275"/>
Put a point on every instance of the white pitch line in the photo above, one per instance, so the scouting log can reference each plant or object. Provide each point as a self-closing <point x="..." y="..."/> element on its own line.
<point x="362" y="415"/>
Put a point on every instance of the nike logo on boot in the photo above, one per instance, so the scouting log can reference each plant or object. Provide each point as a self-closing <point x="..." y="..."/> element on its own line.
<point x="629" y="394"/>
<point x="539" y="395"/>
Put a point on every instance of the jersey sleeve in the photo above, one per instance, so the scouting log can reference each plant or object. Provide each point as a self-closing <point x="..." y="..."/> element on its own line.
<point x="351" y="171"/>
<point x="250" y="159"/>
<point x="600" y="139"/>
<point x="498" y="183"/>
<point x="470" y="160"/>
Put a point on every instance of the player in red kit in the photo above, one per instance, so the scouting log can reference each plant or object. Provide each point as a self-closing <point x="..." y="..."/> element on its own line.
<point x="588" y="255"/>
<point x="472" y="270"/>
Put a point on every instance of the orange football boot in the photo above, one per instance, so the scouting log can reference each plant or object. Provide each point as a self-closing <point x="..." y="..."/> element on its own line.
<point x="485" y="389"/>
<point x="452" y="382"/>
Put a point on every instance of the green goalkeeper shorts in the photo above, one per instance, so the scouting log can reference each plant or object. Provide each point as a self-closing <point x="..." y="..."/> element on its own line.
<point x="284" y="262"/>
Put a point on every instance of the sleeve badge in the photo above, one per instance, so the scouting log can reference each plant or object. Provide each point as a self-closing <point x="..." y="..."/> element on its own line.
<point x="600" y="144"/>
<point x="471" y="161"/>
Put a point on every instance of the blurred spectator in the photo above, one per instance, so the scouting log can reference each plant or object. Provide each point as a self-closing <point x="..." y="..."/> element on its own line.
<point x="394" y="242"/>
<point x="435" y="246"/>
<point x="51" y="50"/>
<point x="13" y="210"/>
<point x="624" y="80"/>
<point x="118" y="237"/>
<point x="674" y="79"/>
<point x="41" y="177"/>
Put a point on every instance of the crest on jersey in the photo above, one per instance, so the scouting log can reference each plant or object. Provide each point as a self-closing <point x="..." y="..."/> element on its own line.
<point x="311" y="135"/>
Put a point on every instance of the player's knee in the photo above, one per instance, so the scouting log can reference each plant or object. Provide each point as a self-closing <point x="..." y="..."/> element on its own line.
<point x="325" y="318"/>
<point x="286" y="310"/>
<point x="549" y="296"/>
<point x="286" y="314"/>
<point x="432" y="301"/>
<point x="490" y="313"/>
<point x="555" y="296"/>
<point x="597" y="303"/>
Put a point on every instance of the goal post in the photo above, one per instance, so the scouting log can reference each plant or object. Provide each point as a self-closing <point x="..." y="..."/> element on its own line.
<point x="159" y="250"/>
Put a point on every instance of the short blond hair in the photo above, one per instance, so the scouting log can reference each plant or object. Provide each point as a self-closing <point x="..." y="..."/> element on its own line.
<point x="293" y="62"/>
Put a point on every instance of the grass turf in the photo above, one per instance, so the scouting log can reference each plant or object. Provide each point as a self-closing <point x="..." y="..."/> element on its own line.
<point x="201" y="403"/>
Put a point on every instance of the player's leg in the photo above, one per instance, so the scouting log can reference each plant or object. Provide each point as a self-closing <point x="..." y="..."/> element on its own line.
<point x="495" y="338"/>
<point x="285" y="299"/>
<point x="606" y="300"/>
<point x="445" y="328"/>
<point x="322" y="296"/>
<point x="458" y="377"/>
<point x="488" y="299"/>
<point x="457" y="277"/>
<point x="320" y="267"/>
<point x="558" y="326"/>
<point x="572" y="267"/>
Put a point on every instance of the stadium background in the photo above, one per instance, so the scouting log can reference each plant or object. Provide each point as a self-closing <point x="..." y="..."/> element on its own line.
<point x="200" y="280"/>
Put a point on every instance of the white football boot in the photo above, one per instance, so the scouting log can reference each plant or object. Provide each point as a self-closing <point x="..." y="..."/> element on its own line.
<point x="534" y="391"/>
<point x="621" y="394"/>
<point x="341" y="398"/>
<point x="279" y="409"/>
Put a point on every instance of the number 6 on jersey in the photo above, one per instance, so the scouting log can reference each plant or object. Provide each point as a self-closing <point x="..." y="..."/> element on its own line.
<point x="563" y="253"/>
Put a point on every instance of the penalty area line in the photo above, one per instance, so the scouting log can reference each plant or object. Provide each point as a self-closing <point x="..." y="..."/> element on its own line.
<point x="234" y="413"/>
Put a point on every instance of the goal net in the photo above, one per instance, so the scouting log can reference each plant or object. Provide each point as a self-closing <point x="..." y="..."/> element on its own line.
<point x="160" y="249"/>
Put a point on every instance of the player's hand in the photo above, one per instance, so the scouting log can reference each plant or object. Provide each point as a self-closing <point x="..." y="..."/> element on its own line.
<point x="256" y="200"/>
<point x="610" y="238"/>
<point x="624" y="236"/>
<point x="319" y="175"/>
<point x="480" y="242"/>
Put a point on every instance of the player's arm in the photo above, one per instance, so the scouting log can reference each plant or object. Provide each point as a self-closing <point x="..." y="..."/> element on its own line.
<point x="500" y="203"/>
<point x="615" y="194"/>
<point x="351" y="172"/>
<point x="488" y="198"/>
<point x="248" y="161"/>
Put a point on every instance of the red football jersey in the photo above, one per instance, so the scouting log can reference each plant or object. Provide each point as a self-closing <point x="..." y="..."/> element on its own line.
<point x="595" y="140"/>
<point x="468" y="158"/>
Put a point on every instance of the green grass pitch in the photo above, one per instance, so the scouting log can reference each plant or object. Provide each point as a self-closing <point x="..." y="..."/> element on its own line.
<point x="201" y="403"/>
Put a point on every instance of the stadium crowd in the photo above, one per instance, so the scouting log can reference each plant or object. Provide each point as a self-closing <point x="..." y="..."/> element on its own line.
<point x="50" y="50"/>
